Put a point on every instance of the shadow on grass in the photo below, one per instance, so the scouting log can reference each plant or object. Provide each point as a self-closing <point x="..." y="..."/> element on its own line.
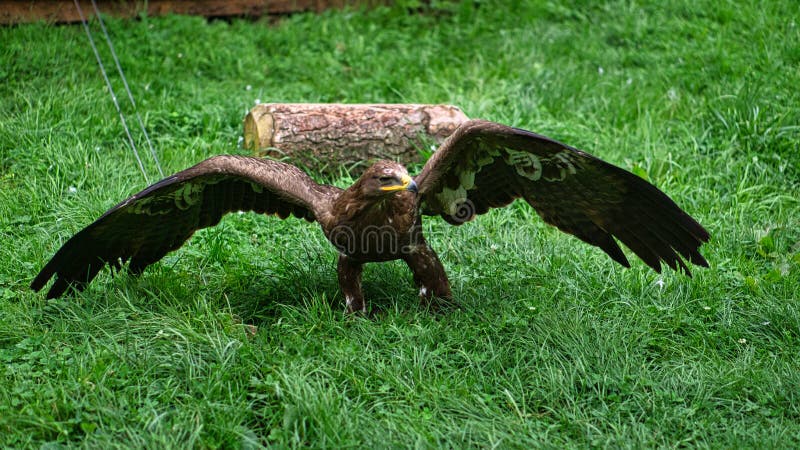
<point x="255" y="293"/>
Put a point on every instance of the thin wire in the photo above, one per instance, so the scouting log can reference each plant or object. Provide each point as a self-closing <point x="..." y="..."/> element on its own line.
<point x="127" y="88"/>
<point x="111" y="90"/>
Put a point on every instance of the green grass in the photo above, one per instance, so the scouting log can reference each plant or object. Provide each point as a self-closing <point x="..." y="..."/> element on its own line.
<point x="554" y="345"/>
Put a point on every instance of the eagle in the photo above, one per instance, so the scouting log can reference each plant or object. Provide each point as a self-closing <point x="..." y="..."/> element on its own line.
<point x="482" y="165"/>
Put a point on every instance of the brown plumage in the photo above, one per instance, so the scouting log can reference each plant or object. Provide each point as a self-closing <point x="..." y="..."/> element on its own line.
<point x="483" y="165"/>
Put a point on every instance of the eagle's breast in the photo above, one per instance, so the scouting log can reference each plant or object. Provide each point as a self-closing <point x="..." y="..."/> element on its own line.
<point x="382" y="231"/>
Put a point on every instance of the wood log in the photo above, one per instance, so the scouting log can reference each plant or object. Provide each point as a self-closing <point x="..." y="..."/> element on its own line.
<point x="18" y="11"/>
<point x="331" y="136"/>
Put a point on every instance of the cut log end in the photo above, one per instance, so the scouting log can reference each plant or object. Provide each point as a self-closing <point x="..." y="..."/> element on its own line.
<point x="259" y="127"/>
<point x="331" y="136"/>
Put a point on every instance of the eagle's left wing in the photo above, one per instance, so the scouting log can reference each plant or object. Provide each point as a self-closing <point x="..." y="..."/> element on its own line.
<point x="485" y="165"/>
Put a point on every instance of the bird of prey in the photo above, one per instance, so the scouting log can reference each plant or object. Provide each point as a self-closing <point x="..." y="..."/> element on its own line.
<point x="482" y="165"/>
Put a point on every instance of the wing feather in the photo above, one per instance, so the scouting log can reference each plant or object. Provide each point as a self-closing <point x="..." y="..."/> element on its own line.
<point x="485" y="165"/>
<point x="148" y="225"/>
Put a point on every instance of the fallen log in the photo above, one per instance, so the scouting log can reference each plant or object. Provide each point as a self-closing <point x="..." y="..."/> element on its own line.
<point x="60" y="11"/>
<point x="328" y="137"/>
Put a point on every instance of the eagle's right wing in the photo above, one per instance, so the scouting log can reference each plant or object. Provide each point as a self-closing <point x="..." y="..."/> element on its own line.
<point x="159" y="219"/>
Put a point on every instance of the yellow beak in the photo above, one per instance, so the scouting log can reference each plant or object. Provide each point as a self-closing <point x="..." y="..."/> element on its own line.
<point x="408" y="184"/>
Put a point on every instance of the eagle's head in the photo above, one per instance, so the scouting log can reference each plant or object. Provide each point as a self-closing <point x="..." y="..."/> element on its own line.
<point x="385" y="178"/>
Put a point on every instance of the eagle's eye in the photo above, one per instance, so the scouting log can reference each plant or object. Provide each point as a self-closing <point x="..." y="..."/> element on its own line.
<point x="386" y="180"/>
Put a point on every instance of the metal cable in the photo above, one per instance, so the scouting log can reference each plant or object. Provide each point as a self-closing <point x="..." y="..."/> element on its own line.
<point x="127" y="88"/>
<point x="111" y="90"/>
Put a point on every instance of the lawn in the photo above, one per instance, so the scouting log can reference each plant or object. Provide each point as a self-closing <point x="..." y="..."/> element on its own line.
<point x="552" y="345"/>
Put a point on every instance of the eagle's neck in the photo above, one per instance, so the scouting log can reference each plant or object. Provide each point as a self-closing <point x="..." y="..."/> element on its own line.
<point x="352" y="206"/>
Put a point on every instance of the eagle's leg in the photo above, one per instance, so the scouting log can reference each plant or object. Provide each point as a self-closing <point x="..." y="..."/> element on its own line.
<point x="349" y="271"/>
<point x="429" y="274"/>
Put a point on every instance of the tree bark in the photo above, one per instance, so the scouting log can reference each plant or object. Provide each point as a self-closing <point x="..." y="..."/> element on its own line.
<point x="18" y="11"/>
<point x="331" y="136"/>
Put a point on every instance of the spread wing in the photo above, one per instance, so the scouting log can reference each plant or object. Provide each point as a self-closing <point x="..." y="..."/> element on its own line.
<point x="159" y="219"/>
<point x="486" y="165"/>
